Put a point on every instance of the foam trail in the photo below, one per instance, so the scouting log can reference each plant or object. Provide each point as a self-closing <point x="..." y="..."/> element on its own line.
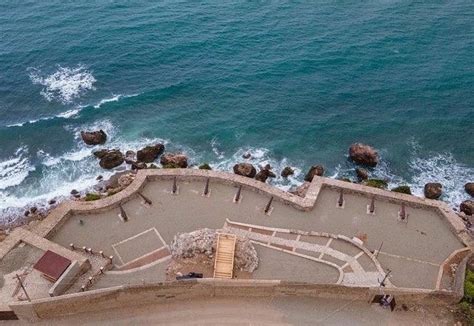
<point x="65" y="84"/>
<point x="15" y="169"/>
<point x="445" y="169"/>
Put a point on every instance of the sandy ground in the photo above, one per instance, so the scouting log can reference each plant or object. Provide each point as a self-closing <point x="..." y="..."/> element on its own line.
<point x="259" y="311"/>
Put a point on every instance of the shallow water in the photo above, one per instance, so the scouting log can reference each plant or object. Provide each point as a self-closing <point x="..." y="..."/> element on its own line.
<point x="293" y="83"/>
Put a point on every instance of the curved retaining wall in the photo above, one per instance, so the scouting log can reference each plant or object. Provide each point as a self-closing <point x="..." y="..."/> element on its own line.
<point x="129" y="296"/>
<point x="55" y="219"/>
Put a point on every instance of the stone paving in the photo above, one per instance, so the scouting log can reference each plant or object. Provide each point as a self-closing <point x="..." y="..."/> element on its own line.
<point x="350" y="269"/>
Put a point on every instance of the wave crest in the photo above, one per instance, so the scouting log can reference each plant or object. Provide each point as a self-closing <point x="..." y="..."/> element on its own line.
<point x="65" y="84"/>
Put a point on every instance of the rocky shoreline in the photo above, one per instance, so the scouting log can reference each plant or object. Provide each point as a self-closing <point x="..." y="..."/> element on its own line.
<point x="364" y="158"/>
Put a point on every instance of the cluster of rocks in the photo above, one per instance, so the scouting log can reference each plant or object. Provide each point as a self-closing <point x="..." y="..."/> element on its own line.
<point x="142" y="159"/>
<point x="204" y="241"/>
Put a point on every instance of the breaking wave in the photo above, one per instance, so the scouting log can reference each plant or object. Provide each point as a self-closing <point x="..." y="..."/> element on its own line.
<point x="15" y="169"/>
<point x="65" y="84"/>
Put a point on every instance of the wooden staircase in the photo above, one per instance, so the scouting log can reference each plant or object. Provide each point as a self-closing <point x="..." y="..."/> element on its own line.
<point x="224" y="263"/>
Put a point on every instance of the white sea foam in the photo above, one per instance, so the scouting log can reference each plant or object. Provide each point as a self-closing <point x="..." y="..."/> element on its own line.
<point x="260" y="157"/>
<point x="445" y="169"/>
<point x="65" y="84"/>
<point x="15" y="169"/>
<point x="114" y="98"/>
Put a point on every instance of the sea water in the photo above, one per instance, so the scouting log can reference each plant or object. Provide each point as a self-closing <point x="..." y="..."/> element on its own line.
<point x="292" y="83"/>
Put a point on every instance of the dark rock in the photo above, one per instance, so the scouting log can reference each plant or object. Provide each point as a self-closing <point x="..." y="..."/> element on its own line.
<point x="150" y="153"/>
<point x="402" y="189"/>
<point x="205" y="166"/>
<point x="94" y="137"/>
<point x="27" y="213"/>
<point x="469" y="187"/>
<point x="245" y="169"/>
<point x="138" y="166"/>
<point x="265" y="173"/>
<point x="287" y="171"/>
<point x="112" y="159"/>
<point x="176" y="160"/>
<point x="433" y="190"/>
<point x="129" y="157"/>
<point x="52" y="202"/>
<point x="246" y="156"/>
<point x="363" y="154"/>
<point x="100" y="153"/>
<point x="301" y="190"/>
<point x="376" y="183"/>
<point x="74" y="192"/>
<point x="314" y="170"/>
<point x="152" y="166"/>
<point x="362" y="174"/>
<point x="33" y="209"/>
<point x="99" y="177"/>
<point x="467" y="207"/>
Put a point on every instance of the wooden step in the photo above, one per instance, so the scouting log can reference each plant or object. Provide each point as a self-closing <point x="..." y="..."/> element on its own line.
<point x="225" y="251"/>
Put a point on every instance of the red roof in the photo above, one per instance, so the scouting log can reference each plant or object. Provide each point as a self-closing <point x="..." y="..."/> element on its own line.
<point x="52" y="265"/>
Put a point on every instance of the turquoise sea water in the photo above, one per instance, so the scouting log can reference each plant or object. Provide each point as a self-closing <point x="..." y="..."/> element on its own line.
<point x="294" y="83"/>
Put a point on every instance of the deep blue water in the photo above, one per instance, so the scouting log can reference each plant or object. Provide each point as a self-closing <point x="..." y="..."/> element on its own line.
<point x="294" y="83"/>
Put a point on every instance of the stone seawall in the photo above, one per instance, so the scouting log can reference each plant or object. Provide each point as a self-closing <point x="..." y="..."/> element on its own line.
<point x="129" y="296"/>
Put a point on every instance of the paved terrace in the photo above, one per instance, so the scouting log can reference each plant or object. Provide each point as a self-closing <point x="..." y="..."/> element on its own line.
<point x="310" y="239"/>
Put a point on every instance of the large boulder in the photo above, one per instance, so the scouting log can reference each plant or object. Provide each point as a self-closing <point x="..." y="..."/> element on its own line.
<point x="150" y="153"/>
<point x="171" y="160"/>
<point x="362" y="174"/>
<point x="245" y="169"/>
<point x="264" y="174"/>
<point x="111" y="159"/>
<point x="204" y="242"/>
<point x="314" y="170"/>
<point x="467" y="207"/>
<point x="301" y="190"/>
<point x="469" y="187"/>
<point x="287" y="171"/>
<point x="94" y="137"/>
<point x="100" y="153"/>
<point x="433" y="190"/>
<point x="363" y="154"/>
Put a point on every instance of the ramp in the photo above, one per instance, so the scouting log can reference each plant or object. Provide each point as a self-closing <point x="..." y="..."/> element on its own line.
<point x="224" y="263"/>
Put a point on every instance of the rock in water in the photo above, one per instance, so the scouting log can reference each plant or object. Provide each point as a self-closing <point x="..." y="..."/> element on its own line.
<point x="362" y="174"/>
<point x="245" y="169"/>
<point x="287" y="171"/>
<point x="111" y="159"/>
<point x="100" y="153"/>
<point x="265" y="173"/>
<point x="301" y="190"/>
<point x="467" y="207"/>
<point x="314" y="170"/>
<point x="130" y="157"/>
<point x="150" y="153"/>
<point x="433" y="190"/>
<point x="363" y="154"/>
<point x="171" y="160"/>
<point x="469" y="187"/>
<point x="94" y="137"/>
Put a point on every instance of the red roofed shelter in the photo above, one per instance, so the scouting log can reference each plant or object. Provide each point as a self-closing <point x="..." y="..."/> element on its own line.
<point x="52" y="265"/>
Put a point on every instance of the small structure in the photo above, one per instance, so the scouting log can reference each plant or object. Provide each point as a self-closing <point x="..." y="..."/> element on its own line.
<point x="224" y="263"/>
<point x="52" y="265"/>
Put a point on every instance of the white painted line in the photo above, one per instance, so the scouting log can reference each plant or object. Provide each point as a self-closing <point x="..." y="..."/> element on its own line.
<point x="159" y="236"/>
<point x="359" y="254"/>
<point x="134" y="236"/>
<point x="118" y="255"/>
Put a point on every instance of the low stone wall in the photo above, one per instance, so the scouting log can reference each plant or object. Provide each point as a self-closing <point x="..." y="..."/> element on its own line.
<point x="129" y="296"/>
<point x="67" y="279"/>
